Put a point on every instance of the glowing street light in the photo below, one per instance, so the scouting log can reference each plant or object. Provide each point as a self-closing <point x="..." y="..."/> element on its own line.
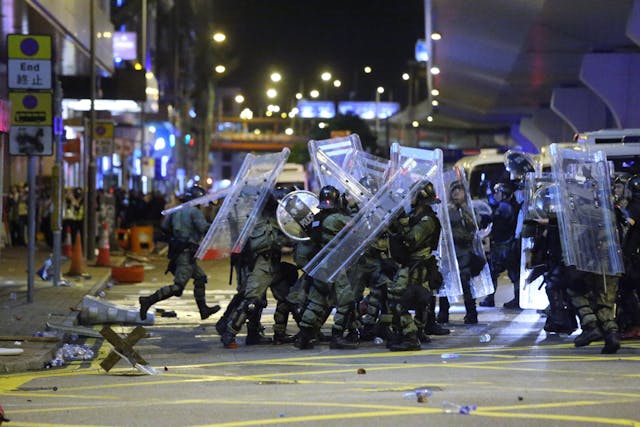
<point x="314" y="93"/>
<point x="276" y="77"/>
<point x="239" y="99"/>
<point x="367" y="70"/>
<point x="405" y="76"/>
<point x="326" y="76"/>
<point x="246" y="114"/>
<point x="272" y="93"/>
<point x="219" y="37"/>
<point x="299" y="96"/>
<point x="435" y="92"/>
<point x="337" y="83"/>
<point x="220" y="69"/>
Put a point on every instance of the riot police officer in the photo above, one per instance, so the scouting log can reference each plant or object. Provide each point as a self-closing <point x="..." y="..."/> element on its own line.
<point x="463" y="228"/>
<point x="185" y="228"/>
<point x="503" y="256"/>
<point x="630" y="281"/>
<point x="322" y="296"/>
<point x="258" y="266"/>
<point x="414" y="236"/>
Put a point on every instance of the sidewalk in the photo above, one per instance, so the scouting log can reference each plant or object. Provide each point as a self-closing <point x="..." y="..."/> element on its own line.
<point x="20" y="320"/>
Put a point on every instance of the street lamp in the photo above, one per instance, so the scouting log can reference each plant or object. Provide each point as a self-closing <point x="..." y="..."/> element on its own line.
<point x="379" y="91"/>
<point x="272" y="93"/>
<point x="276" y="77"/>
<point x="326" y="76"/>
<point x="219" y="37"/>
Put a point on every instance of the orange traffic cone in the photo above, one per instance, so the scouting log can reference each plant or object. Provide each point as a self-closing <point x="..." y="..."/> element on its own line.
<point x="67" y="248"/>
<point x="75" y="269"/>
<point x="104" y="250"/>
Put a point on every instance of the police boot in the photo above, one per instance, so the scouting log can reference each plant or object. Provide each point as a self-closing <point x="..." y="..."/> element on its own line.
<point x="471" y="316"/>
<point x="514" y="304"/>
<point x="338" y="342"/>
<point x="443" y="313"/>
<point x="257" y="337"/>
<point x="305" y="339"/>
<point x="280" y="338"/>
<point x="611" y="343"/>
<point x="147" y="302"/>
<point x="205" y="310"/>
<point x="368" y="332"/>
<point x="229" y="340"/>
<point x="488" y="301"/>
<point x="409" y="342"/>
<point x="199" y="296"/>
<point x="255" y="330"/>
<point x="590" y="333"/>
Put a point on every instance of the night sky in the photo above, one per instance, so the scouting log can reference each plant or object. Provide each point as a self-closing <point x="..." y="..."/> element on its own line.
<point x="302" y="38"/>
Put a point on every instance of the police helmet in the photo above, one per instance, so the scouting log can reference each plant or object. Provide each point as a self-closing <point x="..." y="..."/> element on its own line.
<point x="518" y="164"/>
<point x="503" y="188"/>
<point x="545" y="201"/>
<point x="281" y="191"/>
<point x="194" y="192"/>
<point x="329" y="198"/>
<point x="455" y="185"/>
<point x="427" y="193"/>
<point x="634" y="186"/>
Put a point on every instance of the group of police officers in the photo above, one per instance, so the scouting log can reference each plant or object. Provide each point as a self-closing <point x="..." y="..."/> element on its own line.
<point x="391" y="291"/>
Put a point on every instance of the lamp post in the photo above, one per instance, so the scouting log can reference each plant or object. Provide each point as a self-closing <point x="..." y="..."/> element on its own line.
<point x="379" y="91"/>
<point x="325" y="76"/>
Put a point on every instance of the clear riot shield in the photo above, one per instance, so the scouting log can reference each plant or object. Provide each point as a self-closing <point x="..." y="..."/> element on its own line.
<point x="198" y="201"/>
<point x="586" y="220"/>
<point x="480" y="284"/>
<point x="239" y="212"/>
<point x="295" y="213"/>
<point x="341" y="179"/>
<point x="532" y="292"/>
<point x="445" y="254"/>
<point x="339" y="150"/>
<point x="354" y="239"/>
<point x="369" y="170"/>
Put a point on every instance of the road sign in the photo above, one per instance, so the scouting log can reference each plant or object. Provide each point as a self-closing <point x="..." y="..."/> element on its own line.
<point x="29" y="62"/>
<point x="103" y="138"/>
<point x="31" y="108"/>
<point x="31" y="141"/>
<point x="31" y="132"/>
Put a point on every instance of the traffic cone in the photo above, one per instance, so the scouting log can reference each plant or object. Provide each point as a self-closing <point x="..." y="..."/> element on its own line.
<point x="75" y="269"/>
<point x="67" y="248"/>
<point x="104" y="259"/>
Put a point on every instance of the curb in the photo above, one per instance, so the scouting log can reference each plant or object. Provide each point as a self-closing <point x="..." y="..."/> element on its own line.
<point x="38" y="362"/>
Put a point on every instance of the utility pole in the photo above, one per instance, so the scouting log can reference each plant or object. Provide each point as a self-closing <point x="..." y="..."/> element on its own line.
<point x="90" y="194"/>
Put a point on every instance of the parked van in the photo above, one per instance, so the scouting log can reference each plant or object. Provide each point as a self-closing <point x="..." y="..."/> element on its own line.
<point x="622" y="147"/>
<point x="293" y="175"/>
<point x="483" y="171"/>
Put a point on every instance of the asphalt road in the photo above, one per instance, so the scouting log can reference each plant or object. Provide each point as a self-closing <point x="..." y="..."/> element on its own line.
<point x="520" y="377"/>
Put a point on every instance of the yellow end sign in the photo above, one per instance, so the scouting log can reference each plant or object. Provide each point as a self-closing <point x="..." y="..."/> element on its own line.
<point x="31" y="108"/>
<point x="25" y="46"/>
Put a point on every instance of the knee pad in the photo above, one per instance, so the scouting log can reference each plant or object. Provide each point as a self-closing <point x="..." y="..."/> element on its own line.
<point x="176" y="290"/>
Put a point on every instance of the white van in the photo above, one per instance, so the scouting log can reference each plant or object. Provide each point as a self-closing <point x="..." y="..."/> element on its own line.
<point x="293" y="175"/>
<point x="622" y="147"/>
<point x="483" y="170"/>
